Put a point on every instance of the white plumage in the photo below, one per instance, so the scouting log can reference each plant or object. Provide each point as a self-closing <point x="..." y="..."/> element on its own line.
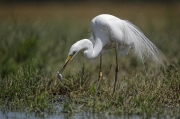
<point x="111" y="32"/>
<point x="108" y="30"/>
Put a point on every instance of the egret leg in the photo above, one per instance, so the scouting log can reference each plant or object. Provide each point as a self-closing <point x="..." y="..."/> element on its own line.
<point x="99" y="79"/>
<point x="100" y="73"/>
<point x="117" y="69"/>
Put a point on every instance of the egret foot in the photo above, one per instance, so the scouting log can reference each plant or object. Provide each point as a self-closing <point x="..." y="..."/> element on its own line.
<point x="99" y="80"/>
<point x="100" y="75"/>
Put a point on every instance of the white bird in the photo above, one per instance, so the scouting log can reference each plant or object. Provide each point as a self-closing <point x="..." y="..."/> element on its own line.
<point x="111" y="32"/>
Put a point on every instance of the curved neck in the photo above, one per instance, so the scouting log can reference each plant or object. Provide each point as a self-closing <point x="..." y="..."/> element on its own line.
<point x="91" y="51"/>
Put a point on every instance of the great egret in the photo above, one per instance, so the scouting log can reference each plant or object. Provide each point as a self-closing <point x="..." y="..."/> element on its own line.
<point x="111" y="32"/>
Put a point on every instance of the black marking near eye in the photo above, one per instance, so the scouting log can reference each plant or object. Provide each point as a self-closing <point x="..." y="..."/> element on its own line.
<point x="74" y="52"/>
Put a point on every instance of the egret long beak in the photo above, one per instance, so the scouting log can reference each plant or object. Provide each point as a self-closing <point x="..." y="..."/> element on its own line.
<point x="66" y="62"/>
<point x="64" y="66"/>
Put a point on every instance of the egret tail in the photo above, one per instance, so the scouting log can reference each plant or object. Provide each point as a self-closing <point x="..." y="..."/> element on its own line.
<point x="143" y="48"/>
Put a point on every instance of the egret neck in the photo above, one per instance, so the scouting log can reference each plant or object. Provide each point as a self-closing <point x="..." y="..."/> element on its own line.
<point x="90" y="51"/>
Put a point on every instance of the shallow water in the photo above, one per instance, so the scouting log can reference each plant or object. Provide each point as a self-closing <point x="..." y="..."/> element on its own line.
<point x="58" y="114"/>
<point x="81" y="115"/>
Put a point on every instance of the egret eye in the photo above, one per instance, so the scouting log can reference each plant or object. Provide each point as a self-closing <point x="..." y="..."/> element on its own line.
<point x="74" y="52"/>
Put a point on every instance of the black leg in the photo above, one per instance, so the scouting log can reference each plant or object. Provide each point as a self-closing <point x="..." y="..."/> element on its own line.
<point x="99" y="79"/>
<point x="100" y="73"/>
<point x="117" y="69"/>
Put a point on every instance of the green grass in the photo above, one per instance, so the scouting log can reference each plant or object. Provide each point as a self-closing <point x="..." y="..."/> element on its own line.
<point x="32" y="52"/>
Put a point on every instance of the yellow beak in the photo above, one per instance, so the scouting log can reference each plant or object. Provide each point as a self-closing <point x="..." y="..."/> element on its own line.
<point x="68" y="58"/>
<point x="66" y="62"/>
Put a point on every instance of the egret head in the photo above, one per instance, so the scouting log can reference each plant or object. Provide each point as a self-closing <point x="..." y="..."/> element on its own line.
<point x="75" y="48"/>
